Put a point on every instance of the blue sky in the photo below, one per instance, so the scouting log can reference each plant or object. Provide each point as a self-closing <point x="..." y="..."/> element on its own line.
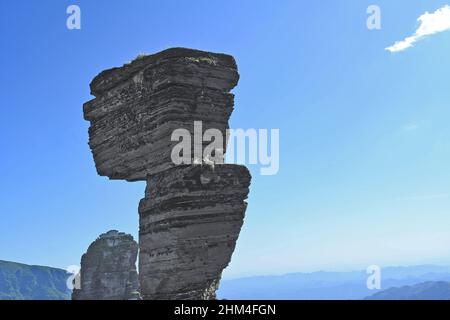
<point x="364" y="137"/>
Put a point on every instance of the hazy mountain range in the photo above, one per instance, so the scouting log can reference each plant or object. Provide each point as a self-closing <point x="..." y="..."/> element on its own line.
<point x="432" y="290"/>
<point x="20" y="281"/>
<point x="328" y="285"/>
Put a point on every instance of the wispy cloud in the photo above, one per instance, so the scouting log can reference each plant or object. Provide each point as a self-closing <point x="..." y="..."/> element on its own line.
<point x="410" y="127"/>
<point x="430" y="23"/>
<point x="427" y="197"/>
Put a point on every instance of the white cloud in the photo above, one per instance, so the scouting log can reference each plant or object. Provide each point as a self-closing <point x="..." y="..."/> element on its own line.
<point x="430" y="23"/>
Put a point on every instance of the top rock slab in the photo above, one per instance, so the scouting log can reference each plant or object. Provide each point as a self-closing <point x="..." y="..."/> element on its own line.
<point x="139" y="105"/>
<point x="224" y="78"/>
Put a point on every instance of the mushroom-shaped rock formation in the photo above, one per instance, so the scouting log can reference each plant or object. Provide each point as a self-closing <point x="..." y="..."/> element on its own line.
<point x="193" y="211"/>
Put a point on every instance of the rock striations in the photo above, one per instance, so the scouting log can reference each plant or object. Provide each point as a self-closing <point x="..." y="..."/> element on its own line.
<point x="138" y="106"/>
<point x="190" y="220"/>
<point x="192" y="213"/>
<point x="108" y="269"/>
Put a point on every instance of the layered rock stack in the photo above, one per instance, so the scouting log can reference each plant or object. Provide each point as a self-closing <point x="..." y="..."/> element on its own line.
<point x="192" y="212"/>
<point x="190" y="220"/>
<point x="108" y="269"/>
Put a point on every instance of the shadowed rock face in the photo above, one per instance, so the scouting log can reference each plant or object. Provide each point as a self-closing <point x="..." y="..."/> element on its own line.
<point x="190" y="220"/>
<point x="108" y="269"/>
<point x="192" y="214"/>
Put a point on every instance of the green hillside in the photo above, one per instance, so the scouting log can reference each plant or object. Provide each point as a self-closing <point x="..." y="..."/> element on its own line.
<point x="24" y="282"/>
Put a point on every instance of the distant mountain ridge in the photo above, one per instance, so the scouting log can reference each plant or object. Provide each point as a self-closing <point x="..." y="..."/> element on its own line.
<point x="431" y="290"/>
<point x="327" y="285"/>
<point x="25" y="282"/>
